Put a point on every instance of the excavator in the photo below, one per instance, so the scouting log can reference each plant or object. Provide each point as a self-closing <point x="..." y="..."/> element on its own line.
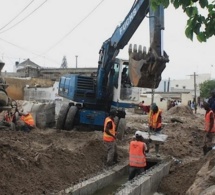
<point x="6" y="103"/>
<point x="118" y="82"/>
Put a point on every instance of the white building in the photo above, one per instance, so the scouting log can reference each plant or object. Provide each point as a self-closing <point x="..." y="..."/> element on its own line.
<point x="186" y="85"/>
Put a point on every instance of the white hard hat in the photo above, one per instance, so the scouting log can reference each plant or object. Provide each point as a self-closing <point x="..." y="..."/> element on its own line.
<point x="138" y="133"/>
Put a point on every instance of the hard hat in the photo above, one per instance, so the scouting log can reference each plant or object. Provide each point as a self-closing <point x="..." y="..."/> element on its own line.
<point x="138" y="133"/>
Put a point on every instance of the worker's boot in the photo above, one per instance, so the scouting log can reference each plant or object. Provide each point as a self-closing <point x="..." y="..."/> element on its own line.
<point x="157" y="150"/>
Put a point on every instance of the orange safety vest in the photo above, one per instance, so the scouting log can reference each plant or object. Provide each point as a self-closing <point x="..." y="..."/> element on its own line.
<point x="153" y="117"/>
<point x="207" y="122"/>
<point x="136" y="156"/>
<point x="28" y="119"/>
<point x="107" y="137"/>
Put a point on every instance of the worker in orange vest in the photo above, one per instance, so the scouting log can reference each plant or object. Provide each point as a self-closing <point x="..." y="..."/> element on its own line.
<point x="137" y="158"/>
<point x="27" y="121"/>
<point x="209" y="129"/>
<point x="109" y="138"/>
<point x="155" y="122"/>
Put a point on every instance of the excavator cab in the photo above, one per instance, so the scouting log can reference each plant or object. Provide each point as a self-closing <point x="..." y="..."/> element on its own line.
<point x="124" y="90"/>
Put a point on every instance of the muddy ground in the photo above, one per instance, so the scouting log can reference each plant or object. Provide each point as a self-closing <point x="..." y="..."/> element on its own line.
<point x="47" y="161"/>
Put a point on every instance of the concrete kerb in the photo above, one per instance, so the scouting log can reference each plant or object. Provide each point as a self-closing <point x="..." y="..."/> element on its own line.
<point x="147" y="183"/>
<point x="98" y="182"/>
<point x="144" y="184"/>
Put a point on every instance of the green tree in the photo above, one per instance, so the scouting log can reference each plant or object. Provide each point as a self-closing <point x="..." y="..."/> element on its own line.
<point x="206" y="88"/>
<point x="201" y="24"/>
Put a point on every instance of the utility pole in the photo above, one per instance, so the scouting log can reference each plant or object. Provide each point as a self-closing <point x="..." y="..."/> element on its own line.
<point x="76" y="61"/>
<point x="195" y="89"/>
<point x="195" y="101"/>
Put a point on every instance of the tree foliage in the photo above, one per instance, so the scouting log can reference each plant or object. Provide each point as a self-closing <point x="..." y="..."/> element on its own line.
<point x="206" y="88"/>
<point x="202" y="25"/>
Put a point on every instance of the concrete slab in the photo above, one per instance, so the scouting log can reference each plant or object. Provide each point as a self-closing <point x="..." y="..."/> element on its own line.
<point x="154" y="137"/>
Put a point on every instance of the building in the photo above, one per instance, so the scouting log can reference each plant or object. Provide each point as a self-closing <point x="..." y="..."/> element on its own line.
<point x="28" y="69"/>
<point x="187" y="85"/>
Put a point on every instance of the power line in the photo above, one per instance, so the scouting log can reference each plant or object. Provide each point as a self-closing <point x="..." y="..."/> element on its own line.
<point x="25" y="17"/>
<point x="67" y="34"/>
<point x="42" y="55"/>
<point x="17" y="15"/>
<point x="18" y="46"/>
<point x="26" y="50"/>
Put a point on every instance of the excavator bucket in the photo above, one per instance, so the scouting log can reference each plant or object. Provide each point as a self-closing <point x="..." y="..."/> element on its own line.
<point x="145" y="68"/>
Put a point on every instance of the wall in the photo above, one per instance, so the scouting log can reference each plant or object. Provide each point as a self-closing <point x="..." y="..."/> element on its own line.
<point x="42" y="93"/>
<point x="185" y="98"/>
<point x="16" y="86"/>
<point x="147" y="98"/>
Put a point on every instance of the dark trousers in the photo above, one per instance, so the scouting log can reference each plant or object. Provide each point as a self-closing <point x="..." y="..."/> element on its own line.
<point x="135" y="171"/>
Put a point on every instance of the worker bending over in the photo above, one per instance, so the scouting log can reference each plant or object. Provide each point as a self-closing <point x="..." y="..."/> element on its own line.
<point x="137" y="158"/>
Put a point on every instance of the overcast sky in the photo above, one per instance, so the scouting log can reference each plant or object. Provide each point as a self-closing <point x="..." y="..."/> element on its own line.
<point x="47" y="30"/>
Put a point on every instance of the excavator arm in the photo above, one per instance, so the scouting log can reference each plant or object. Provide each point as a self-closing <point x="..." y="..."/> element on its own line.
<point x="117" y="41"/>
<point x="153" y="62"/>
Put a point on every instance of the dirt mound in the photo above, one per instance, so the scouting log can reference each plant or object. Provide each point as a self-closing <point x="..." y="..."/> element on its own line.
<point x="45" y="162"/>
<point x="179" y="180"/>
<point x="180" y="111"/>
<point x="204" y="181"/>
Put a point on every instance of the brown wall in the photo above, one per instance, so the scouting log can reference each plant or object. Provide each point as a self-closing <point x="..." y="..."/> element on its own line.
<point x="16" y="86"/>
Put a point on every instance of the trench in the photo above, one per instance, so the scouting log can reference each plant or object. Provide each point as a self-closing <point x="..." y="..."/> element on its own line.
<point x="115" y="180"/>
<point x="119" y="181"/>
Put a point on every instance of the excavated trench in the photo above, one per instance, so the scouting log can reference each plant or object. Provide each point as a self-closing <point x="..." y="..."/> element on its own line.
<point x="115" y="180"/>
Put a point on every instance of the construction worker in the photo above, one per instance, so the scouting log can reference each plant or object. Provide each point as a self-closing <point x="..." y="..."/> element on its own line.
<point x="155" y="122"/>
<point x="137" y="158"/>
<point x="109" y="138"/>
<point x="26" y="121"/>
<point x="209" y="128"/>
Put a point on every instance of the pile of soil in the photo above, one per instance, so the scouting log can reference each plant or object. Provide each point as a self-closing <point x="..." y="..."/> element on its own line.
<point x="48" y="161"/>
<point x="180" y="111"/>
<point x="184" y="143"/>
